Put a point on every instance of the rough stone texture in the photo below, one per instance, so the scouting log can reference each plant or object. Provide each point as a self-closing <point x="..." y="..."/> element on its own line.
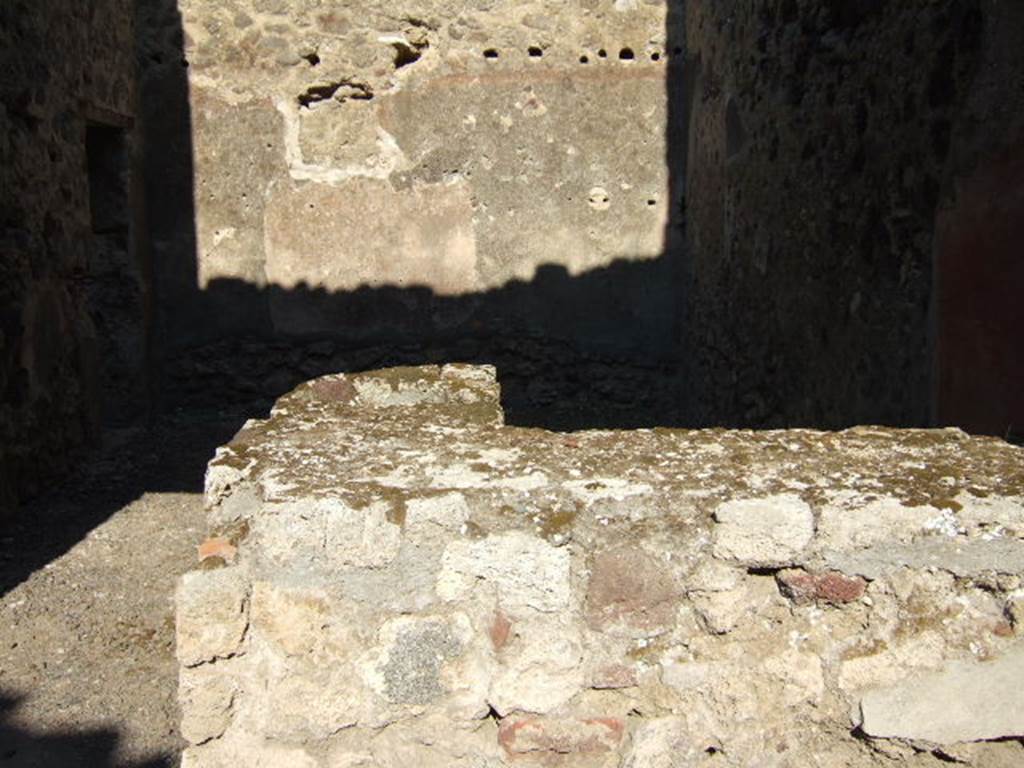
<point x="71" y="300"/>
<point x="719" y="213"/>
<point x="763" y="532"/>
<point x="647" y="599"/>
<point x="769" y="214"/>
<point x="212" y="616"/>
<point x="393" y="172"/>
<point x="826" y="141"/>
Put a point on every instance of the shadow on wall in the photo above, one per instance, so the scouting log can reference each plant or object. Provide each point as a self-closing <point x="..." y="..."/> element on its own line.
<point x="595" y="350"/>
<point x="704" y="333"/>
<point x="21" y="748"/>
<point x="621" y="376"/>
<point x="598" y="349"/>
<point x="614" y="347"/>
<point x="621" y="346"/>
<point x="795" y="282"/>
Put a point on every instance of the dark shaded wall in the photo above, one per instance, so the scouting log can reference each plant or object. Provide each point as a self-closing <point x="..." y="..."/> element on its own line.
<point x="827" y="259"/>
<point x="72" y="314"/>
<point x="980" y="243"/>
<point x="825" y="137"/>
<point x="839" y="210"/>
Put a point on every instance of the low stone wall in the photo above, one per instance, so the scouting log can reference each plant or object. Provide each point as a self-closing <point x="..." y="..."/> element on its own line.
<point x="394" y="578"/>
<point x="544" y="382"/>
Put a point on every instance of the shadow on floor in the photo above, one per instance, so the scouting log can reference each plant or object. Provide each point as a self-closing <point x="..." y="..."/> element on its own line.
<point x="21" y="748"/>
<point x="170" y="456"/>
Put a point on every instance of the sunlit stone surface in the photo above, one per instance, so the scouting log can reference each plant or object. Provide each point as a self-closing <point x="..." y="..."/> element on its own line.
<point x="418" y="584"/>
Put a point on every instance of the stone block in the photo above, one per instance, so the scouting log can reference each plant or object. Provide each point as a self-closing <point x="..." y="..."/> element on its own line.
<point x="722" y="611"/>
<point x="964" y="701"/>
<point x="541" y="669"/>
<point x="207" y="697"/>
<point x="521" y="569"/>
<point x="310" y="700"/>
<point x="292" y="620"/>
<point x="766" y="532"/>
<point x="213" y="615"/>
<point x="630" y="591"/>
<point x="367" y="537"/>
<point x="850" y="522"/>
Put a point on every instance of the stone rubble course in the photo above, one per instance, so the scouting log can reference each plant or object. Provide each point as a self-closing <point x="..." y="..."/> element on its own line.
<point x="417" y="584"/>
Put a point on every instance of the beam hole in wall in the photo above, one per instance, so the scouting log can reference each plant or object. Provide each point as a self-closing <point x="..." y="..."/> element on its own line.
<point x="655" y="56"/>
<point x="602" y="53"/>
<point x="341" y="91"/>
<point x="584" y="59"/>
<point x="317" y="93"/>
<point x="312" y="59"/>
<point x="406" y="55"/>
<point x="535" y="52"/>
<point x="626" y="54"/>
<point x="490" y="53"/>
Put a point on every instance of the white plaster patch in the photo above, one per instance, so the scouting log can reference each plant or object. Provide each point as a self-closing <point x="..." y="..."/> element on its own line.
<point x="389" y="159"/>
<point x="457" y="476"/>
<point x="990" y="514"/>
<point x="498" y="456"/>
<point x="529" y="482"/>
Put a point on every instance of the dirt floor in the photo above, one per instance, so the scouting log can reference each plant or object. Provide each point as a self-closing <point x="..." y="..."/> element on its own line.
<point x="87" y="573"/>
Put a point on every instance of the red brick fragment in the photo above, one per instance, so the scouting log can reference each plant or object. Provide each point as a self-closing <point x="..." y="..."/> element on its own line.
<point x="1003" y="629"/>
<point x="501" y="627"/>
<point x="613" y="676"/>
<point x="628" y="587"/>
<point x="550" y="740"/>
<point x="828" y="587"/>
<point x="217" y="546"/>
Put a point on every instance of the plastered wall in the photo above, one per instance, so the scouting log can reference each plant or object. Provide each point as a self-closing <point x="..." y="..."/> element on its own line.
<point x="403" y="170"/>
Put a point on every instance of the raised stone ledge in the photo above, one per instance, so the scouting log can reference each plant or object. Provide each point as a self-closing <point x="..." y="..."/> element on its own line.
<point x="395" y="578"/>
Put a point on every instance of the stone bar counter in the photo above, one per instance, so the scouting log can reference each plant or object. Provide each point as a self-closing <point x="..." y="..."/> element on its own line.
<point x="394" y="578"/>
